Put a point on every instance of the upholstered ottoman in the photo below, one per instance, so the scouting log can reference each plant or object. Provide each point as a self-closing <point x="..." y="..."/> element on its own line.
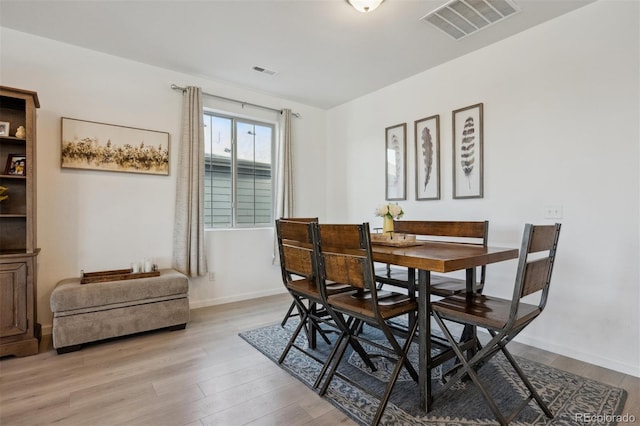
<point x="85" y="313"/>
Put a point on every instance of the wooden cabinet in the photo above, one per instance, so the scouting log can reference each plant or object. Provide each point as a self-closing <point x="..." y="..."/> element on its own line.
<point x="19" y="330"/>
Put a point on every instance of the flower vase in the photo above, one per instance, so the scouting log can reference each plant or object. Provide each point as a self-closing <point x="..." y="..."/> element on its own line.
<point x="387" y="226"/>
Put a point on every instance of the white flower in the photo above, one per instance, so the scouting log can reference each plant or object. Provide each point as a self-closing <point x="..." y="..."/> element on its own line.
<point x="382" y="210"/>
<point x="395" y="210"/>
<point x="392" y="211"/>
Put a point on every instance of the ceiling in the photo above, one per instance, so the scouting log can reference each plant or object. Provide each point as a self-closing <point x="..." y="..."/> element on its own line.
<point x="323" y="51"/>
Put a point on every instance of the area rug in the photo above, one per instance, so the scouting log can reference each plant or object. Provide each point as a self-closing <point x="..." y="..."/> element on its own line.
<point x="574" y="400"/>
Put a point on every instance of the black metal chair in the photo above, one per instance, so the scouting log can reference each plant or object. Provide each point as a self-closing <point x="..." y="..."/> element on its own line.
<point x="297" y="261"/>
<point x="503" y="318"/>
<point x="343" y="254"/>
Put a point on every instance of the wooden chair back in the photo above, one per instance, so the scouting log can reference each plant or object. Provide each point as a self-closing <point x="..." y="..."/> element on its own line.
<point x="534" y="266"/>
<point x="295" y="246"/>
<point x="478" y="230"/>
<point x="344" y="255"/>
<point x="467" y="232"/>
<point x="300" y="219"/>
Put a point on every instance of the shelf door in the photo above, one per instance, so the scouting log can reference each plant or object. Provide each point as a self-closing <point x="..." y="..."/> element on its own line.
<point x="13" y="293"/>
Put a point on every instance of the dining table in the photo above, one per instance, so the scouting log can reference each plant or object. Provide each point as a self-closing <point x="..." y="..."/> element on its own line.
<point x="442" y="257"/>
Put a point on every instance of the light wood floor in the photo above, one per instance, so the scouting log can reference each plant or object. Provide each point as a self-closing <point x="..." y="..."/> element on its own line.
<point x="203" y="375"/>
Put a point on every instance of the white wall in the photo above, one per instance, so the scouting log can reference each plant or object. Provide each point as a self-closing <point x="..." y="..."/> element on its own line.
<point x="561" y="126"/>
<point x="103" y="220"/>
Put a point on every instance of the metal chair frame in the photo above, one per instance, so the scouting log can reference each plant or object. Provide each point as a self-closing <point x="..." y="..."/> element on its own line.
<point x="290" y="312"/>
<point x="533" y="276"/>
<point x="343" y="254"/>
<point x="295" y="242"/>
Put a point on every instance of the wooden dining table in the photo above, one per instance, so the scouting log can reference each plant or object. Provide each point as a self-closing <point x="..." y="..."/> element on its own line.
<point x="436" y="256"/>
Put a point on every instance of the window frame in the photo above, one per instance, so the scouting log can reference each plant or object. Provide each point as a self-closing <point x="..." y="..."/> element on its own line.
<point x="235" y="120"/>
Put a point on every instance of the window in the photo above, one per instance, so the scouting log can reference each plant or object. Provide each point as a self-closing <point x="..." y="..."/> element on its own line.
<point x="238" y="172"/>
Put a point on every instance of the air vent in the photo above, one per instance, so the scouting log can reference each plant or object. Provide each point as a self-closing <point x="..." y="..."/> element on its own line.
<point x="264" y="70"/>
<point x="460" y="18"/>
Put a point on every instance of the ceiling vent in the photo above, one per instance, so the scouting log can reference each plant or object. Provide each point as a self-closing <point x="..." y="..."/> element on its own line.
<point x="460" y="18"/>
<point x="264" y="70"/>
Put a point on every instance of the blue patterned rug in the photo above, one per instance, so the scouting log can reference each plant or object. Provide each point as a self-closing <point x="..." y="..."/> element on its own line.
<point x="571" y="398"/>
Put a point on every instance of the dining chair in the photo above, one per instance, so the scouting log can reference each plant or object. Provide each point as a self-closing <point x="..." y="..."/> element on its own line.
<point x="343" y="255"/>
<point x="503" y="318"/>
<point x="463" y="232"/>
<point x="299" y="272"/>
<point x="292" y="311"/>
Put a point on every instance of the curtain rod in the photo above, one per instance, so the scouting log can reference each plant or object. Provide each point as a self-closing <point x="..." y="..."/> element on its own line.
<point x="182" y="89"/>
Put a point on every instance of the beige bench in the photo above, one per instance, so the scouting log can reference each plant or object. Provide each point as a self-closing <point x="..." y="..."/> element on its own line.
<point x="85" y="313"/>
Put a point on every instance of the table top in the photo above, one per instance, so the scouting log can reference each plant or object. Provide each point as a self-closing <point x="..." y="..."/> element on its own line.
<point x="440" y="256"/>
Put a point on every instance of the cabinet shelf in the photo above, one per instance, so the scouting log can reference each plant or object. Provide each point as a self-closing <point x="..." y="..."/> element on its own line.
<point x="17" y="177"/>
<point x="12" y="139"/>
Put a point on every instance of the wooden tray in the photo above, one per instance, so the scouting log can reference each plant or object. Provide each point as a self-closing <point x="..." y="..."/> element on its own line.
<point x="397" y="241"/>
<point x="115" y="275"/>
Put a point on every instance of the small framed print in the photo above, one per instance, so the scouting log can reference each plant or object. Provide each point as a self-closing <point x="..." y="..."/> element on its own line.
<point x="467" y="152"/>
<point x="427" y="139"/>
<point x="396" y="162"/>
<point x="4" y="128"/>
<point x="16" y="165"/>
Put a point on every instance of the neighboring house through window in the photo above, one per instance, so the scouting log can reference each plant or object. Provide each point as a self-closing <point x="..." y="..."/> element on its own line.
<point x="238" y="171"/>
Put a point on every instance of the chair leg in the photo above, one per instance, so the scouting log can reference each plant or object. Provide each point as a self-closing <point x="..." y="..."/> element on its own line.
<point x="336" y="361"/>
<point x="543" y="406"/>
<point x="467" y="368"/>
<point x="330" y="358"/>
<point x="294" y="336"/>
<point x="288" y="314"/>
<point x="402" y="361"/>
<point x="355" y="329"/>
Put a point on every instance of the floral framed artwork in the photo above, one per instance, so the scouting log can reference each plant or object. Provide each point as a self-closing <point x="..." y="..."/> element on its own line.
<point x="468" y="152"/>
<point x="427" y="140"/>
<point x="99" y="146"/>
<point x="396" y="162"/>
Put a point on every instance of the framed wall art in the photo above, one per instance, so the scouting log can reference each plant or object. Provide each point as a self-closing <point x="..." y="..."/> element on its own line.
<point x="468" y="152"/>
<point x="427" y="139"/>
<point x="396" y="162"/>
<point x="99" y="146"/>
<point x="4" y="128"/>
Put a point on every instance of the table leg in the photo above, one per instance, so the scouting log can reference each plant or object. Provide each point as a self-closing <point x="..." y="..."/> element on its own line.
<point x="424" y="338"/>
<point x="411" y="290"/>
<point x="469" y="331"/>
<point x="312" y="328"/>
<point x="471" y="280"/>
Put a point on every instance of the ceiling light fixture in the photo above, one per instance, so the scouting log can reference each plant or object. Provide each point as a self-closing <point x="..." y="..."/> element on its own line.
<point x="365" y="6"/>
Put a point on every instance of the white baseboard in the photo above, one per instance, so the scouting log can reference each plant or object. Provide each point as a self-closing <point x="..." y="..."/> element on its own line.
<point x="630" y="369"/>
<point x="235" y="298"/>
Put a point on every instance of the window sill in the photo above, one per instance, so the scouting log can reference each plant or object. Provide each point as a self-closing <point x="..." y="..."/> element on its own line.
<point x="257" y="228"/>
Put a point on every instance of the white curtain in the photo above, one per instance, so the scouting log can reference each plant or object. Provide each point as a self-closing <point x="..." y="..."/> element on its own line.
<point x="284" y="167"/>
<point x="188" y="241"/>
<point x="283" y="205"/>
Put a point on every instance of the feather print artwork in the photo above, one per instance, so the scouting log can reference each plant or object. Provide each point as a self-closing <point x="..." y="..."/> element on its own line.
<point x="467" y="151"/>
<point x="427" y="152"/>
<point x="395" y="146"/>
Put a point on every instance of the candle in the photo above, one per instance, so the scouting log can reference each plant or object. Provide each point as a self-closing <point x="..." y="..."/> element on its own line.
<point x="148" y="264"/>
